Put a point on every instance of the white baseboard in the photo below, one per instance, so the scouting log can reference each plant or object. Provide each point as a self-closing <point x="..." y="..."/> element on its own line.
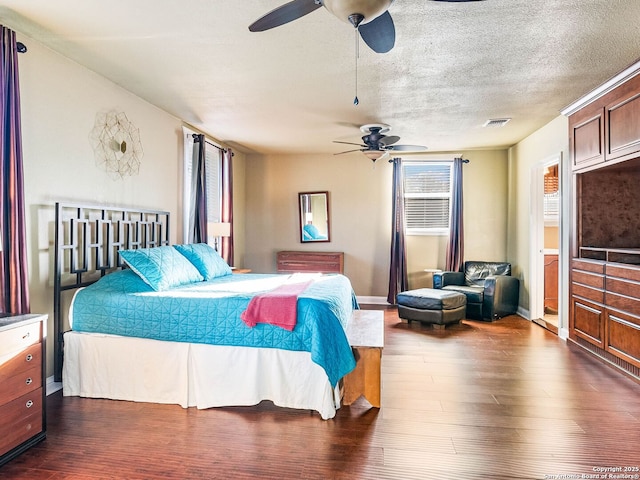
<point x="524" y="313"/>
<point x="52" y="386"/>
<point x="373" y="300"/>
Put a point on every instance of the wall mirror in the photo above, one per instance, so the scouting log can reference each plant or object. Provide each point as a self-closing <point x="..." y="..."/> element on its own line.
<point x="314" y="216"/>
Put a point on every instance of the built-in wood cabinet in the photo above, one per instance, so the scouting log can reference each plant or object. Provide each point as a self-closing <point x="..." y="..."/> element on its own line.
<point x="605" y="307"/>
<point x="22" y="392"/>
<point x="604" y="313"/>
<point x="323" y="262"/>
<point x="607" y="130"/>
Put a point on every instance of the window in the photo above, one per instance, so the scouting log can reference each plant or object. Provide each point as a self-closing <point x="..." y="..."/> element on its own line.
<point x="551" y="196"/>
<point x="427" y="197"/>
<point x="213" y="165"/>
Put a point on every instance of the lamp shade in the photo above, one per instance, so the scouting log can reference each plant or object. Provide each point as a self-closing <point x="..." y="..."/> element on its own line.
<point x="369" y="9"/>
<point x="373" y="154"/>
<point x="219" y="229"/>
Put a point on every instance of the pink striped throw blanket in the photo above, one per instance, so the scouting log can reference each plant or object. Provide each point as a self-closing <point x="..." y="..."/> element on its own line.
<point x="276" y="307"/>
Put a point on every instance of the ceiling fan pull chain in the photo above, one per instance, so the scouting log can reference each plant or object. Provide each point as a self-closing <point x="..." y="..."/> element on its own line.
<point x="355" y="100"/>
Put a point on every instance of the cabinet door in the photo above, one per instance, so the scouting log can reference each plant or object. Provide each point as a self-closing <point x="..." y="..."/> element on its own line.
<point x="586" y="136"/>
<point x="622" y="122"/>
<point x="551" y="283"/>
<point x="623" y="336"/>
<point x="588" y="321"/>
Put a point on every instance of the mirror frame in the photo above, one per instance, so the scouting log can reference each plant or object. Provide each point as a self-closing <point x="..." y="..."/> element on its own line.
<point x="301" y="216"/>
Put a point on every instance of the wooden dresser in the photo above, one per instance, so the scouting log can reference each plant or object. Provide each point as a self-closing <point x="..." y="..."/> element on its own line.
<point x="22" y="392"/>
<point x="323" y="262"/>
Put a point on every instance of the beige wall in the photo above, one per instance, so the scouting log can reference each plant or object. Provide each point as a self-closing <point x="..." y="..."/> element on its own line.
<point x="360" y="202"/>
<point x="552" y="238"/>
<point x="550" y="140"/>
<point x="60" y="100"/>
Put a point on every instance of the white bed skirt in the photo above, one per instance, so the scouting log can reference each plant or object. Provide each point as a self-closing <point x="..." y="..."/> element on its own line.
<point x="193" y="375"/>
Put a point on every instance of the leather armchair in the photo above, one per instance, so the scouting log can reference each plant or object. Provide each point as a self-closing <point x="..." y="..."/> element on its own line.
<point x="490" y="289"/>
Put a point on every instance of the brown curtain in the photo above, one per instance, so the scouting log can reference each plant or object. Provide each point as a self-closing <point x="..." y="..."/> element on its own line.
<point x="14" y="274"/>
<point x="455" y="247"/>
<point x="227" y="203"/>
<point x="198" y="213"/>
<point x="398" y="270"/>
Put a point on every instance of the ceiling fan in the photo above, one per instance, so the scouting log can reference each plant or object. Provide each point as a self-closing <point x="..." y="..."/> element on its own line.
<point x="375" y="144"/>
<point x="370" y="17"/>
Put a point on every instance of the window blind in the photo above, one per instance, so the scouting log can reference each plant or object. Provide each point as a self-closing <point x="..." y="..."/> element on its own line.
<point x="427" y="191"/>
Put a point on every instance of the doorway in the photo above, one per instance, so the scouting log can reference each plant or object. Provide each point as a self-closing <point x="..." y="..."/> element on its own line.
<point x="545" y="243"/>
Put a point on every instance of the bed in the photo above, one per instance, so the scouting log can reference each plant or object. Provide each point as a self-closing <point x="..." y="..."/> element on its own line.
<point x="152" y="322"/>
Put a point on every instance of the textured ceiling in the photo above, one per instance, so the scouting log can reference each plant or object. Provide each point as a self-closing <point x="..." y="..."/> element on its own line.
<point x="291" y="89"/>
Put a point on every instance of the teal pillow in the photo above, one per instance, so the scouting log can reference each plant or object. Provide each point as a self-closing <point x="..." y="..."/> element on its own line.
<point x="208" y="262"/>
<point x="161" y="268"/>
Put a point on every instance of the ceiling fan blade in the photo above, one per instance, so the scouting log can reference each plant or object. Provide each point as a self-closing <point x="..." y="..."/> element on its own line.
<point x="406" y="148"/>
<point x="350" y="143"/>
<point x="284" y="14"/>
<point x="389" y="139"/>
<point x="379" y="33"/>
<point x="349" y="151"/>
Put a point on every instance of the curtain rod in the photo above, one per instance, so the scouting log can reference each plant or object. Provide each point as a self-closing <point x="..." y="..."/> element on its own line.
<point x="196" y="136"/>
<point x="21" y="47"/>
<point x="464" y="160"/>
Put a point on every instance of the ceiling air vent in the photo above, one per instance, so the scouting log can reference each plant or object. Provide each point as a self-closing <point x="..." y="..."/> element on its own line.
<point x="496" y="122"/>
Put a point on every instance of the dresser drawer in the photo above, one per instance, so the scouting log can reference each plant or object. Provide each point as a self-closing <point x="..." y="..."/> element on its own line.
<point x="623" y="287"/>
<point x="587" y="265"/>
<point x="18" y="338"/>
<point x="16" y="362"/>
<point x="620" y="271"/>
<point x="22" y="419"/>
<point x="593" y="294"/>
<point x="324" y="262"/>
<point x="590" y="279"/>
<point x="623" y="303"/>
<point x="20" y="383"/>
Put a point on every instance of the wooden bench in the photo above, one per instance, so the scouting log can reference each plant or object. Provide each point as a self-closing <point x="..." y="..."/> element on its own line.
<point x="366" y="337"/>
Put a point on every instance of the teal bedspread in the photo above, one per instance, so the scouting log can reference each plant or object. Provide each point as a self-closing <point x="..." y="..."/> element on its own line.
<point x="209" y="312"/>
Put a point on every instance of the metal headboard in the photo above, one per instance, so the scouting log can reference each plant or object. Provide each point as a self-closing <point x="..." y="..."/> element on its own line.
<point x="87" y="241"/>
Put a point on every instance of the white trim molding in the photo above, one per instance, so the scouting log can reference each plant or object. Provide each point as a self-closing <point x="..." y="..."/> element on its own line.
<point x="628" y="73"/>
<point x="373" y="300"/>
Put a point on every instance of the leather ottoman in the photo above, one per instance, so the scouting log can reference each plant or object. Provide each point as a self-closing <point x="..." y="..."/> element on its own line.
<point x="436" y="307"/>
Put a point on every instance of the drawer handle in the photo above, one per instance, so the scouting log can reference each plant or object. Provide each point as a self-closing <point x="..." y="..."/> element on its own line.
<point x="29" y="381"/>
<point x="29" y="403"/>
<point x="27" y="335"/>
<point x="29" y="357"/>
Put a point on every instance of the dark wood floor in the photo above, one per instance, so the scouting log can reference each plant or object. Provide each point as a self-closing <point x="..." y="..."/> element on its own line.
<point x="484" y="401"/>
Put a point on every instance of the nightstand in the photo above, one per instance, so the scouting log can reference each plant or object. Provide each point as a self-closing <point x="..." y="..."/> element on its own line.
<point x="240" y="270"/>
